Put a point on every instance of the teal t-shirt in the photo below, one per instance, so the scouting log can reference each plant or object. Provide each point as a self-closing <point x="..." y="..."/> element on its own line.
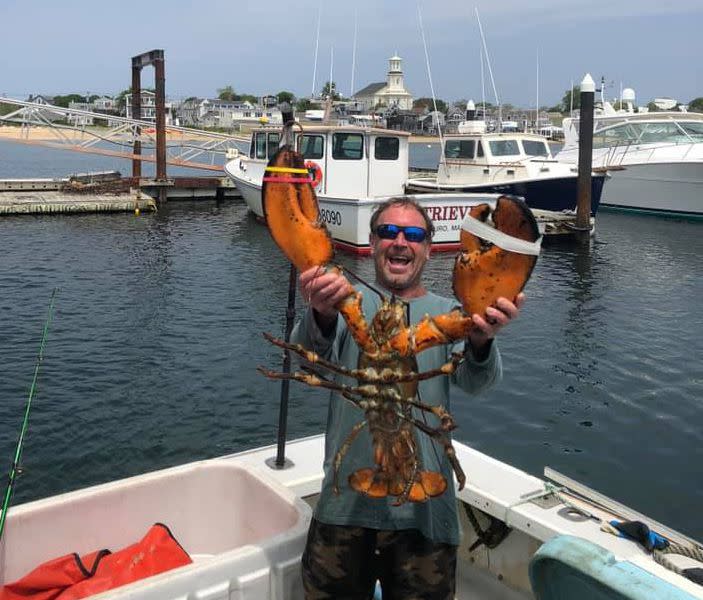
<point x="436" y="518"/>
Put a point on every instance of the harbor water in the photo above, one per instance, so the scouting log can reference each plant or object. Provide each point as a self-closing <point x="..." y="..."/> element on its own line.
<point x="152" y="353"/>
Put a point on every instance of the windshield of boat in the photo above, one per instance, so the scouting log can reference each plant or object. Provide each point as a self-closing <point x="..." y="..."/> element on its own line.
<point x="504" y="147"/>
<point x="652" y="132"/>
<point x="259" y="144"/>
<point x="459" y="148"/>
<point x="535" y="148"/>
<point x="311" y="146"/>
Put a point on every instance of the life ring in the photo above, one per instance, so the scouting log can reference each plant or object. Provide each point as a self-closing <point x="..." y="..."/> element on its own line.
<point x="315" y="172"/>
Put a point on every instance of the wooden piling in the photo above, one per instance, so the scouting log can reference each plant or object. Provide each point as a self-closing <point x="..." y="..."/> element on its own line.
<point x="585" y="161"/>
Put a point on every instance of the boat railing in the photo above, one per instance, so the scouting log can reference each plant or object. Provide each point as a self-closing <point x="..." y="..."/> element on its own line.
<point x="618" y="152"/>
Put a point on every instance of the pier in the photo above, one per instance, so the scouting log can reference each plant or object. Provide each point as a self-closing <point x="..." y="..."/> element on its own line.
<point x="105" y="192"/>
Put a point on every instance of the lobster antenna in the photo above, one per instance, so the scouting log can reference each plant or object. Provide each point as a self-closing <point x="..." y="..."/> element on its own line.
<point x="361" y="280"/>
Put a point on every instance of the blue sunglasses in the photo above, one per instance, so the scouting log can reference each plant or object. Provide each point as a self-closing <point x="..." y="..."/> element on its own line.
<point x="388" y="231"/>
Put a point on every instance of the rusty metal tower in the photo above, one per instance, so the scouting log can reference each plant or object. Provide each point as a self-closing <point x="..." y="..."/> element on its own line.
<point x="155" y="58"/>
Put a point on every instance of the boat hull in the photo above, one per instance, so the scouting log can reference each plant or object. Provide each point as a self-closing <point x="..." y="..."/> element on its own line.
<point x="555" y="194"/>
<point x="666" y="188"/>
<point x="348" y="219"/>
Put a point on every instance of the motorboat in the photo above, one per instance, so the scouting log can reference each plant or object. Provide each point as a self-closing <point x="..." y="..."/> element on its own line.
<point x="354" y="169"/>
<point x="654" y="159"/>
<point x="243" y="519"/>
<point x="505" y="162"/>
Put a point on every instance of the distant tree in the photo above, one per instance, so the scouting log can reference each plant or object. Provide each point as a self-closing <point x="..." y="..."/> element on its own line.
<point x="566" y="101"/>
<point x="696" y="104"/>
<point x="652" y="107"/>
<point x="6" y="109"/>
<point x="248" y="98"/>
<point x="64" y="101"/>
<point x="429" y="104"/>
<point x="305" y="104"/>
<point x="286" y="97"/>
<point x="330" y="88"/>
<point x="227" y="93"/>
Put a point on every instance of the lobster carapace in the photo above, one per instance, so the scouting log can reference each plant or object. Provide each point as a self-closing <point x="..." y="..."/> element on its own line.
<point x="387" y="376"/>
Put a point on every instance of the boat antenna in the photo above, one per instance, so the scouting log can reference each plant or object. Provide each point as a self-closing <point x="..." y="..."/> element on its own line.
<point x="537" y="108"/>
<point x="356" y="24"/>
<point x="330" y="97"/>
<point x="317" y="47"/>
<point x="490" y="72"/>
<point x="483" y="86"/>
<point x="429" y="75"/>
<point x="15" y="466"/>
<point x="571" y="100"/>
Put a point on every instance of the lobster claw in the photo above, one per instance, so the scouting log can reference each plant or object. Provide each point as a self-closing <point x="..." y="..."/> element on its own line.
<point x="291" y="211"/>
<point x="485" y="271"/>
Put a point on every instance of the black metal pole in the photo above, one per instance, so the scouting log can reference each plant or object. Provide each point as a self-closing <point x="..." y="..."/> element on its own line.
<point x="281" y="461"/>
<point x="585" y="164"/>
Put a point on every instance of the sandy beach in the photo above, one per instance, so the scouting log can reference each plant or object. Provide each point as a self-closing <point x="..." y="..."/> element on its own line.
<point x="48" y="134"/>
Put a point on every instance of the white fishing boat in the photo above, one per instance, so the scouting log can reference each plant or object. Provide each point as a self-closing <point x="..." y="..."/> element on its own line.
<point x="505" y="162"/>
<point x="243" y="522"/>
<point x="355" y="169"/>
<point x="654" y="159"/>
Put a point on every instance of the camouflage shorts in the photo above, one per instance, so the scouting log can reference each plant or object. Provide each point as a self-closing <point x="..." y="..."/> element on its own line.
<point x="344" y="562"/>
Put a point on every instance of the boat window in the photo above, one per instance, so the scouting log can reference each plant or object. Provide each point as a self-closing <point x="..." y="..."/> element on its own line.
<point x="479" y="149"/>
<point x="504" y="147"/>
<point x="459" y="148"/>
<point x="273" y="139"/>
<point x="386" y="148"/>
<point x="311" y="146"/>
<point x="347" y="146"/>
<point x="620" y="135"/>
<point x="695" y="130"/>
<point x="260" y="145"/>
<point x="535" y="148"/>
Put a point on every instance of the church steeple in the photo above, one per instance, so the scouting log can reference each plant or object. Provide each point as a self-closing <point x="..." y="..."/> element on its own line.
<point x="395" y="73"/>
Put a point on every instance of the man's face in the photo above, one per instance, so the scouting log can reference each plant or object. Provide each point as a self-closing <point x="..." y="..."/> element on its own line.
<point x="399" y="262"/>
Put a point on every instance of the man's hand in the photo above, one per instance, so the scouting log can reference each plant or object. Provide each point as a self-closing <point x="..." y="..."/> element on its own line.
<point x="488" y="325"/>
<point x="322" y="290"/>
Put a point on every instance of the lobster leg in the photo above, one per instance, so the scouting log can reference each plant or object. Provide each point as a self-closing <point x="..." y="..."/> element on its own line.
<point x="337" y="462"/>
<point x="440" y="437"/>
<point x="365" y="375"/>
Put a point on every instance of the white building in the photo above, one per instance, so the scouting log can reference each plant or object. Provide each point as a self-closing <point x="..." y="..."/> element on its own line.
<point x="665" y="103"/>
<point x="390" y="93"/>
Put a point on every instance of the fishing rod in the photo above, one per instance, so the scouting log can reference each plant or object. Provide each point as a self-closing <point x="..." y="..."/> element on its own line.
<point x="14" y="468"/>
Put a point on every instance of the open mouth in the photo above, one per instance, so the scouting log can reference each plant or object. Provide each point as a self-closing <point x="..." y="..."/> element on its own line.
<point x="399" y="262"/>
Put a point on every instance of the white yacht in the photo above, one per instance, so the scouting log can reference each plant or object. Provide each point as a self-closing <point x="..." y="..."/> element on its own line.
<point x="505" y="162"/>
<point x="354" y="170"/>
<point x="654" y="159"/>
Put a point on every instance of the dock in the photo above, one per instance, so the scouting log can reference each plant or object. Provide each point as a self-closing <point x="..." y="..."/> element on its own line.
<point x="105" y="192"/>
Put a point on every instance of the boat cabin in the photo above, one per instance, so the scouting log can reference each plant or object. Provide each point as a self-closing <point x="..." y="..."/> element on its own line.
<point x="478" y="158"/>
<point x="351" y="162"/>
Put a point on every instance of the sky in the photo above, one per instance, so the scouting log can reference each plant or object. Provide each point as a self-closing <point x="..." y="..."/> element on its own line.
<point x="536" y="50"/>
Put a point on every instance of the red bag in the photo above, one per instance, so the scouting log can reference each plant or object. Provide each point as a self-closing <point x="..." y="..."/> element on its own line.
<point x="71" y="577"/>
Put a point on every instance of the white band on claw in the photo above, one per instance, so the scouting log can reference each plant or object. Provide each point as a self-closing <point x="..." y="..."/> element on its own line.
<point x="500" y="239"/>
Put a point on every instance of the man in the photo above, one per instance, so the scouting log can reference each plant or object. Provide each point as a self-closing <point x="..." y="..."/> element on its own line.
<point x="355" y="540"/>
